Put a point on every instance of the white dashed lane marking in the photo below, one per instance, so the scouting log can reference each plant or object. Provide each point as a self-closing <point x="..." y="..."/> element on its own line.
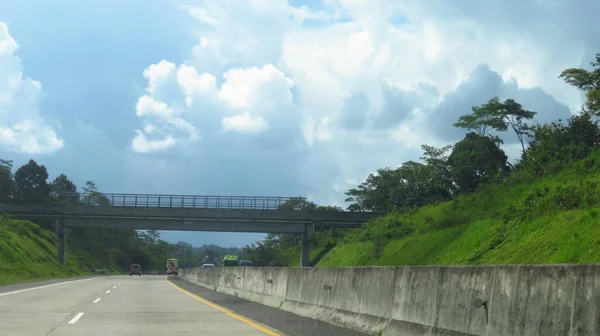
<point x="96" y="301"/>
<point x="76" y="318"/>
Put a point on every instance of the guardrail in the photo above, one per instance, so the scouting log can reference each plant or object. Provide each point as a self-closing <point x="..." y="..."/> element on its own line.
<point x="186" y="201"/>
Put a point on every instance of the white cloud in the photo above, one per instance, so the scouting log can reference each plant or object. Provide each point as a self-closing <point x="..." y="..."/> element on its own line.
<point x="244" y="123"/>
<point x="22" y="128"/>
<point x="365" y="86"/>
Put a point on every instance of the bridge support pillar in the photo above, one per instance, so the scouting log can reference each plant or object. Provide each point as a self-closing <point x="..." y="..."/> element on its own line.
<point x="305" y="239"/>
<point x="61" y="235"/>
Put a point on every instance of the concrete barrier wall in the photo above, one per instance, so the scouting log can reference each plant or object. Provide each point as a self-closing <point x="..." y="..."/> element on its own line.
<point x="428" y="300"/>
<point x="357" y="298"/>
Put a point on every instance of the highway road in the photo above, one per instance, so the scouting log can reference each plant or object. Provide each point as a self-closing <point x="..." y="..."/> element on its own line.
<point x="146" y="305"/>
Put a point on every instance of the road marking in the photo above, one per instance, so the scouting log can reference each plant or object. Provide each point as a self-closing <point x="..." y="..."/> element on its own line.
<point x="76" y="318"/>
<point x="114" y="287"/>
<point x="108" y="291"/>
<point x="96" y="301"/>
<point x="46" y="286"/>
<point x="226" y="311"/>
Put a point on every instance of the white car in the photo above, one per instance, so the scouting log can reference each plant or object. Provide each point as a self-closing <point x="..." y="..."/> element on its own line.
<point x="208" y="265"/>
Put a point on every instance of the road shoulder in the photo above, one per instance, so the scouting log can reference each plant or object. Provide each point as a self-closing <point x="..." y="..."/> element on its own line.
<point x="288" y="323"/>
<point x="27" y="285"/>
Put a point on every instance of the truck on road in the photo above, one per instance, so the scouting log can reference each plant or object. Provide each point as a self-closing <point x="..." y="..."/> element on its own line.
<point x="172" y="267"/>
<point x="231" y="261"/>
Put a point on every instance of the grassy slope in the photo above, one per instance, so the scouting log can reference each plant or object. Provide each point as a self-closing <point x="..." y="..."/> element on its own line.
<point x="28" y="253"/>
<point x="550" y="220"/>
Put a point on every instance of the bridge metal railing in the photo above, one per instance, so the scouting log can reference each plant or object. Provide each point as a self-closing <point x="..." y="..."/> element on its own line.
<point x="186" y="201"/>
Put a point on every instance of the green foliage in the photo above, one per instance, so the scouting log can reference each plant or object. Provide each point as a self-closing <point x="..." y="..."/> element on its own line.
<point x="549" y="220"/>
<point x="28" y="253"/>
<point x="30" y="184"/>
<point x="498" y="116"/>
<point x="411" y="185"/>
<point x="476" y="159"/>
<point x="61" y="186"/>
<point x="7" y="183"/>
<point x="587" y="81"/>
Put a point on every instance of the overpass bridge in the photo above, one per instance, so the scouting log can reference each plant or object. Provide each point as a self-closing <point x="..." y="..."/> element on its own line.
<point x="187" y="213"/>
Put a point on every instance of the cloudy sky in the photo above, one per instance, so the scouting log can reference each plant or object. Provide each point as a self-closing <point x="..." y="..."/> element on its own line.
<point x="269" y="97"/>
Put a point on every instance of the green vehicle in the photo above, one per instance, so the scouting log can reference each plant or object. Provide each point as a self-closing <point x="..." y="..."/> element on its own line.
<point x="231" y="261"/>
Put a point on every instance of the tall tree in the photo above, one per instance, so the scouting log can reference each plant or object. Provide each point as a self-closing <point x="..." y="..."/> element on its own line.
<point x="7" y="183"/>
<point x="437" y="159"/>
<point x="62" y="186"/>
<point x="483" y="119"/>
<point x="379" y="192"/>
<point x="31" y="183"/>
<point x="474" y="160"/>
<point x="498" y="116"/>
<point x="587" y="81"/>
<point x="92" y="196"/>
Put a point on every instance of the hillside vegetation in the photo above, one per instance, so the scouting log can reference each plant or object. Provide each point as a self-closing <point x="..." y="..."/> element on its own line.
<point x="554" y="219"/>
<point x="466" y="204"/>
<point x="28" y="253"/>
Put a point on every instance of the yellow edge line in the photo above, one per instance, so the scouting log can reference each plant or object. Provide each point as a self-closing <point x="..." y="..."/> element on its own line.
<point x="226" y="311"/>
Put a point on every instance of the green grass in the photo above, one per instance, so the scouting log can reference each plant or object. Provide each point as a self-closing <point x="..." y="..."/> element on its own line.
<point x="28" y="253"/>
<point x="524" y="221"/>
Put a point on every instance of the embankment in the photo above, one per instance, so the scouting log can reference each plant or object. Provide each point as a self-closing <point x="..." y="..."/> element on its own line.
<point x="425" y="300"/>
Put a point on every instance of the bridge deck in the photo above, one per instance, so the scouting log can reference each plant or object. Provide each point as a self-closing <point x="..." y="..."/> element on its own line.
<point x="186" y="201"/>
<point x="215" y="209"/>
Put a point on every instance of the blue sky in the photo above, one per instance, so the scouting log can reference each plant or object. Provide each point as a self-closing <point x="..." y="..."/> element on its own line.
<point x="272" y="97"/>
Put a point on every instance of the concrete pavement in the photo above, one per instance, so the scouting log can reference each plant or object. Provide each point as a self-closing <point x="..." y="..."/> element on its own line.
<point x="117" y="305"/>
<point x="146" y="305"/>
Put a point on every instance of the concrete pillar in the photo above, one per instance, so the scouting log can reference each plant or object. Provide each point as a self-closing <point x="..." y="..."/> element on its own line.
<point x="305" y="252"/>
<point x="61" y="235"/>
<point x="305" y="243"/>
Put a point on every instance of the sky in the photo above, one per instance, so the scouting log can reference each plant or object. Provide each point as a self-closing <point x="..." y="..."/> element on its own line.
<point x="270" y="97"/>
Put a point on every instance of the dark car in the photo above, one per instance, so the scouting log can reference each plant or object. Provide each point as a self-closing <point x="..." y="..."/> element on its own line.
<point x="246" y="263"/>
<point x="135" y="269"/>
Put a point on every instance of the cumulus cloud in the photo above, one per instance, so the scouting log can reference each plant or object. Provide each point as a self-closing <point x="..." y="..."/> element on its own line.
<point x="355" y="85"/>
<point x="22" y="129"/>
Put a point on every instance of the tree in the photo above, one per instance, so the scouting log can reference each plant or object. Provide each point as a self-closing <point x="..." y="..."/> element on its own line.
<point x="62" y="186"/>
<point x="92" y="196"/>
<point x="411" y="185"/>
<point x="379" y="192"/>
<point x="438" y="160"/>
<point x="474" y="160"/>
<point x="498" y="116"/>
<point x="297" y="203"/>
<point x="7" y="183"/>
<point x="556" y="144"/>
<point x="587" y="81"/>
<point x="483" y="120"/>
<point x="210" y="256"/>
<point x="30" y="183"/>
<point x="583" y="134"/>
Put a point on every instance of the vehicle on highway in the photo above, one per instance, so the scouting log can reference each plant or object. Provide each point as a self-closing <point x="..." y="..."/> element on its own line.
<point x="172" y="267"/>
<point x="135" y="269"/>
<point x="208" y="265"/>
<point x="231" y="261"/>
<point x="246" y="263"/>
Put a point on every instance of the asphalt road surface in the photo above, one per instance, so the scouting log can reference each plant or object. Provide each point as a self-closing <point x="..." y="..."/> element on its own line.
<point x="146" y="305"/>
